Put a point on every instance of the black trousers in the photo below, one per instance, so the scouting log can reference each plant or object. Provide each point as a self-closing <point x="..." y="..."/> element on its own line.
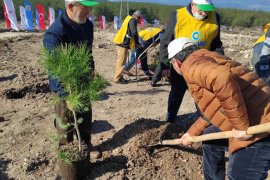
<point x="157" y="75"/>
<point x="178" y="89"/>
<point x="65" y="117"/>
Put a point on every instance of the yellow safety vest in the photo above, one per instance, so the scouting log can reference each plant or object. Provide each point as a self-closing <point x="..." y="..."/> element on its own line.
<point x="149" y="33"/>
<point x="203" y="32"/>
<point x="263" y="37"/>
<point x="121" y="34"/>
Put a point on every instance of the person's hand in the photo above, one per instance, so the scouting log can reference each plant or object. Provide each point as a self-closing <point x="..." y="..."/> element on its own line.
<point x="184" y="140"/>
<point x="240" y="135"/>
<point x="166" y="73"/>
<point x="69" y="106"/>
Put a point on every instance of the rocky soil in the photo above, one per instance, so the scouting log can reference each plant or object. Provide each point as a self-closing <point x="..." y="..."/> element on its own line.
<point x="126" y="120"/>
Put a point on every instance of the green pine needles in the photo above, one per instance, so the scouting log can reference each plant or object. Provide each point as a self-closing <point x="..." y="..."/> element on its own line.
<point x="71" y="66"/>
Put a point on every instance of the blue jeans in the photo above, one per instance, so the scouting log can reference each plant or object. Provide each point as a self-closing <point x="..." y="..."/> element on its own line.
<point x="133" y="58"/>
<point x="250" y="163"/>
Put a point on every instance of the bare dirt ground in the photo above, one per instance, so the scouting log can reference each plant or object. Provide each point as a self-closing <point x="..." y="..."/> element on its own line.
<point x="128" y="117"/>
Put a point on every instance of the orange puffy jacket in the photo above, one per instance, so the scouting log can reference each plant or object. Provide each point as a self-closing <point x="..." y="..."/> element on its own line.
<point x="228" y="94"/>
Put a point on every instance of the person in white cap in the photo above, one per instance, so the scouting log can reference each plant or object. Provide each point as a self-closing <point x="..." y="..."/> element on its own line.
<point x="261" y="54"/>
<point x="126" y="38"/>
<point x="72" y="27"/>
<point x="230" y="97"/>
<point x="197" y="21"/>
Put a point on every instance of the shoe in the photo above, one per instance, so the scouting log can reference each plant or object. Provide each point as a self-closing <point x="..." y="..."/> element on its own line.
<point x="148" y="73"/>
<point x="127" y="73"/>
<point x="153" y="84"/>
<point x="121" y="81"/>
<point x="95" y="155"/>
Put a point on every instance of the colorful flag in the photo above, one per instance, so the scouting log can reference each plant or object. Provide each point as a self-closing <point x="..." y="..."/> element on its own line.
<point x="8" y="23"/>
<point x="11" y="14"/>
<point x="156" y="22"/>
<point x="91" y="18"/>
<point x="102" y="22"/>
<point x="51" y="16"/>
<point x="145" y="23"/>
<point x="37" y="22"/>
<point x="142" y="23"/>
<point x="116" y="23"/>
<point x="60" y="11"/>
<point x="28" y="15"/>
<point x="41" y="17"/>
<point x="23" y="18"/>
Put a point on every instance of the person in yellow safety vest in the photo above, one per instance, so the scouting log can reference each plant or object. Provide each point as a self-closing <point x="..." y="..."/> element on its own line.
<point x="126" y="38"/>
<point x="261" y="55"/>
<point x="199" y="22"/>
<point x="148" y="38"/>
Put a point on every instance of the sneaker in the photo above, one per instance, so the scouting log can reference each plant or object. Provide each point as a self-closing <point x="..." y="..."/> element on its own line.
<point x="127" y="73"/>
<point x="95" y="155"/>
<point x="121" y="81"/>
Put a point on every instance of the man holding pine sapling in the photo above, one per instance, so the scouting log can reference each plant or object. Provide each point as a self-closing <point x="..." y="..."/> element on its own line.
<point x="72" y="27"/>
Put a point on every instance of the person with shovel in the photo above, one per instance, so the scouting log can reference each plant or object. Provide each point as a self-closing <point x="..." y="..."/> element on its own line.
<point x="126" y="38"/>
<point x="229" y="97"/>
<point x="261" y="54"/>
<point x="71" y="27"/>
<point x="148" y="38"/>
<point x="197" y="21"/>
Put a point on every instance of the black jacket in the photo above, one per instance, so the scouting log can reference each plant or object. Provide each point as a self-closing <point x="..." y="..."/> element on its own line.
<point x="62" y="32"/>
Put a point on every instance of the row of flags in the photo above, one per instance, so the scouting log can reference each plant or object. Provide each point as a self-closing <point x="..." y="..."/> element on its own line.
<point x="143" y="23"/>
<point x="26" y="17"/>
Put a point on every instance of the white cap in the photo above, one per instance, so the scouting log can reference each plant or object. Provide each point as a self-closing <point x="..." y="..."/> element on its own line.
<point x="204" y="5"/>
<point x="178" y="45"/>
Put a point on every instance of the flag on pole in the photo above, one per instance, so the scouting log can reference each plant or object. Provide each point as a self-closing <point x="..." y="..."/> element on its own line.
<point x="8" y="23"/>
<point x="28" y="15"/>
<point x="142" y="23"/>
<point x="41" y="17"/>
<point x="23" y="18"/>
<point x="37" y="22"/>
<point x="11" y="14"/>
<point x="102" y="22"/>
<point x="51" y="16"/>
<point x="60" y="11"/>
<point x="145" y="23"/>
<point x="91" y="18"/>
<point x="116" y="23"/>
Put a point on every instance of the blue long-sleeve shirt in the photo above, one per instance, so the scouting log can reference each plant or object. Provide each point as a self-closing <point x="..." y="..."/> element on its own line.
<point x="64" y="31"/>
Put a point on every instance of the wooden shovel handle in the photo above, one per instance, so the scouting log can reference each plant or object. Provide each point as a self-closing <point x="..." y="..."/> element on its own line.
<point x="220" y="135"/>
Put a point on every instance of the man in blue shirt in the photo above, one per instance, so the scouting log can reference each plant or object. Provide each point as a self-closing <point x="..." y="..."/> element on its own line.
<point x="71" y="27"/>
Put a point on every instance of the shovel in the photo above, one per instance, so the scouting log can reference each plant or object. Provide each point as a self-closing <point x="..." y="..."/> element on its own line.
<point x="262" y="128"/>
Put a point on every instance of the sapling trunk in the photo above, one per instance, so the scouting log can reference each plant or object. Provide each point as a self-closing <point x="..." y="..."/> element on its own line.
<point x="77" y="129"/>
